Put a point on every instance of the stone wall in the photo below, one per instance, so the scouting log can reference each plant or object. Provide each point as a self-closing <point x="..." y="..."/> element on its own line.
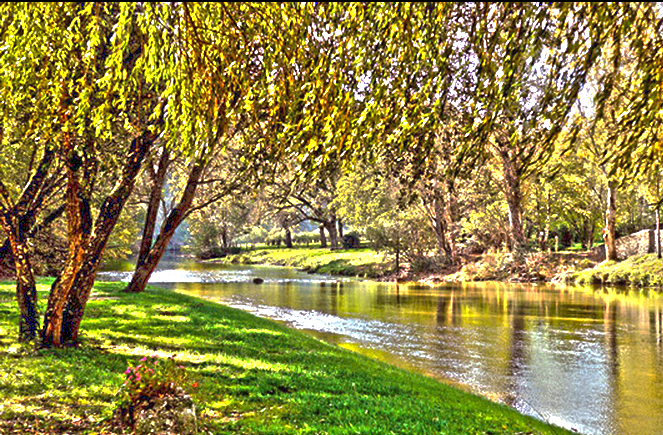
<point x="642" y="242"/>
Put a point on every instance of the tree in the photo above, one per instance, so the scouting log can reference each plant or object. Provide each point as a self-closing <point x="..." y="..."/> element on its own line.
<point x="223" y="59"/>
<point x="374" y="202"/>
<point x="531" y="68"/>
<point x="18" y="218"/>
<point x="82" y="81"/>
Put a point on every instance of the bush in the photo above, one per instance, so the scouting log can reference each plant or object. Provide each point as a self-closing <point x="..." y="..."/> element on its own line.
<point x="154" y="384"/>
<point x="351" y="241"/>
<point x="584" y="264"/>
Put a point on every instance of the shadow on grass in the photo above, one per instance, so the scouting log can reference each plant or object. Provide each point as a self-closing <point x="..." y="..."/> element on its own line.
<point x="255" y="376"/>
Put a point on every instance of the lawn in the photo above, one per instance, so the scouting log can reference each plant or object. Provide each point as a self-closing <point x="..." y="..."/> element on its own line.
<point x="254" y="376"/>
<point x="364" y="262"/>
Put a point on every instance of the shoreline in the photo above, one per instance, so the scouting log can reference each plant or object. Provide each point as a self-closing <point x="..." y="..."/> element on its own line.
<point x="640" y="271"/>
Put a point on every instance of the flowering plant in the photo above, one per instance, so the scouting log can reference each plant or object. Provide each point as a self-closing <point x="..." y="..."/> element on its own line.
<point x="153" y="377"/>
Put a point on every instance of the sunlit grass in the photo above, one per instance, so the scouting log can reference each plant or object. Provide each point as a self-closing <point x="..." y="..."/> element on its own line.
<point x="638" y="271"/>
<point x="255" y="376"/>
<point x="364" y="262"/>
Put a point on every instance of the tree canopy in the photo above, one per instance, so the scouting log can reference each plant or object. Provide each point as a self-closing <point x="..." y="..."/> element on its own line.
<point x="450" y="110"/>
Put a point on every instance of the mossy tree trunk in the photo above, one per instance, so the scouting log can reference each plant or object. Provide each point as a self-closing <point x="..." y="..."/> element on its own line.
<point x="87" y="239"/>
<point x="176" y="216"/>
<point x="17" y="220"/>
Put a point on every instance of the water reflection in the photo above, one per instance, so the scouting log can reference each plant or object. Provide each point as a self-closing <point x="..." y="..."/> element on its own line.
<point x="585" y="359"/>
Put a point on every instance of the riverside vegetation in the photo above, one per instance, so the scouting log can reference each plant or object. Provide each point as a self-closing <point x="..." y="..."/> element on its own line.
<point x="567" y="266"/>
<point x="252" y="376"/>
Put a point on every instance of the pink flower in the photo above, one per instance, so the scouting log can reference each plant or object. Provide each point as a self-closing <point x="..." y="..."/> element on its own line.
<point x="127" y="371"/>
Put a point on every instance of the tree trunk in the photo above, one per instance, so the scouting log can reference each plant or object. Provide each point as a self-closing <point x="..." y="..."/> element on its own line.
<point x="71" y="290"/>
<point x="288" y="238"/>
<point x="451" y="220"/>
<point x="513" y="194"/>
<point x="225" y="243"/>
<point x="143" y="271"/>
<point x="18" y="221"/>
<point x="158" y="178"/>
<point x="610" y="222"/>
<point x="323" y="239"/>
<point x="546" y="231"/>
<point x="437" y="221"/>
<point x="26" y="287"/>
<point x="658" y="232"/>
<point x="340" y="230"/>
<point x="333" y="234"/>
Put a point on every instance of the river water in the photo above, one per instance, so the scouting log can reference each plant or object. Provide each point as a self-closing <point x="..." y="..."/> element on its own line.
<point x="586" y="359"/>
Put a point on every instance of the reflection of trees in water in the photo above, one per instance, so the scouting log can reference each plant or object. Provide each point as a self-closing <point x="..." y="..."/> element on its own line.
<point x="656" y="327"/>
<point x="612" y="345"/>
<point x="285" y="291"/>
<point x="330" y="298"/>
<point x="449" y="310"/>
<point x="517" y="364"/>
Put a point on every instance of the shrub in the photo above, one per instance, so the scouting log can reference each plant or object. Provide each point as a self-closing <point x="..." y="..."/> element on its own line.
<point x="151" y="381"/>
<point x="584" y="264"/>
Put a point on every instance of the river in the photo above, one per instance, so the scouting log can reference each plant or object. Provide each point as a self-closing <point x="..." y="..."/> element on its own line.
<point x="586" y="359"/>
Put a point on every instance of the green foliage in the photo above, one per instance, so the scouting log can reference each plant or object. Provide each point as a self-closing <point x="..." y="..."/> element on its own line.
<point x="373" y="203"/>
<point x="152" y="378"/>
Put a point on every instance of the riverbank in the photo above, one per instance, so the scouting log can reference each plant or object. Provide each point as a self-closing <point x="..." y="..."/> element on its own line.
<point x="362" y="263"/>
<point x="252" y="375"/>
<point x="637" y="271"/>
<point x="366" y="263"/>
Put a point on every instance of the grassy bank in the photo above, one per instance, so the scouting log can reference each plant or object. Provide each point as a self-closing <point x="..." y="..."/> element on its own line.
<point x="637" y="271"/>
<point x="254" y="376"/>
<point x="364" y="262"/>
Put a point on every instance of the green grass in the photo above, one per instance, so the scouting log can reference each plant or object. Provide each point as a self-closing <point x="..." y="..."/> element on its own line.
<point x="255" y="376"/>
<point x="364" y="262"/>
<point x="638" y="271"/>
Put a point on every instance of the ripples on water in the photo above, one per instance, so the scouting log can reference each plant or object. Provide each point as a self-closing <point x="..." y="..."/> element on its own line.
<point x="589" y="360"/>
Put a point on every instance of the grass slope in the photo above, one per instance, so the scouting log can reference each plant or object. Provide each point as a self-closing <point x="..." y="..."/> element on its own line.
<point x="638" y="271"/>
<point x="364" y="262"/>
<point x="255" y="376"/>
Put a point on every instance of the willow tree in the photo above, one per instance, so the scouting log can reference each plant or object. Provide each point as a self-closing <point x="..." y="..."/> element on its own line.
<point x="28" y="164"/>
<point x="109" y="77"/>
<point x="92" y="72"/>
<point x="620" y="128"/>
<point x="532" y="62"/>
<point x="269" y="84"/>
<point x="218" y="57"/>
<point x="424" y="87"/>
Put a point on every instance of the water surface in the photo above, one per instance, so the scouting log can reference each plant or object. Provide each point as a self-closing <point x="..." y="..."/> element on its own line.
<point x="582" y="358"/>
